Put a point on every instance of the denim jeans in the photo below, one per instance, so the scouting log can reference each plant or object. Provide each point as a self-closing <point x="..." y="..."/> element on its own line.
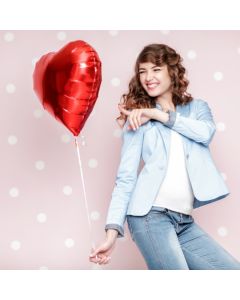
<point x="169" y="240"/>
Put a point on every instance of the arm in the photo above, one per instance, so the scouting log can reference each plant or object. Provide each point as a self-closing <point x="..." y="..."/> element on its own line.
<point x="126" y="179"/>
<point x="201" y="129"/>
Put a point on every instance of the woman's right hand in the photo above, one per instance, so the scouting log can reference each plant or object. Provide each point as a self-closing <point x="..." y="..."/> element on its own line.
<point x="101" y="255"/>
<point x="142" y="115"/>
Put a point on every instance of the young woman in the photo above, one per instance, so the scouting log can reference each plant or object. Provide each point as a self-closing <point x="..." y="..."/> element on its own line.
<point x="171" y="131"/>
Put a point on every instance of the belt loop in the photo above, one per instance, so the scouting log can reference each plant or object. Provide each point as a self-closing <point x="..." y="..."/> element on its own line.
<point x="181" y="217"/>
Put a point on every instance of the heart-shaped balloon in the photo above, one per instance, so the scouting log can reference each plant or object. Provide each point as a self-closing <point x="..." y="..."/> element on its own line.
<point x="67" y="83"/>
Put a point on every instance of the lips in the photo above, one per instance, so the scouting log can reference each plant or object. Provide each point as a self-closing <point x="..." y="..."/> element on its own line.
<point x="152" y="86"/>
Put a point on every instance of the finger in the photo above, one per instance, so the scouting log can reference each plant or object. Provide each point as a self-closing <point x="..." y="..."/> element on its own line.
<point x="131" y="122"/>
<point x="135" y="120"/>
<point x="96" y="251"/>
<point x="95" y="259"/>
<point x="106" y="260"/>
<point x="139" y="116"/>
<point x="98" y="258"/>
<point x="102" y="259"/>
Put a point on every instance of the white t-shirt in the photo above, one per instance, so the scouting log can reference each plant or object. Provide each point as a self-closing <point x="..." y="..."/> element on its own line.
<point x="175" y="192"/>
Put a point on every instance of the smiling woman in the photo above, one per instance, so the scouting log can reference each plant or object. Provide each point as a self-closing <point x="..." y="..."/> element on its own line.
<point x="159" y="77"/>
<point x="178" y="176"/>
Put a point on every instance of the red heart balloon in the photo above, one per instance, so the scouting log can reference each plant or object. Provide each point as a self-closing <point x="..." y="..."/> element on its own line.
<point x="67" y="83"/>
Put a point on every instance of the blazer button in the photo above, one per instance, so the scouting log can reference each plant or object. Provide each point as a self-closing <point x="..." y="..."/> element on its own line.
<point x="187" y="155"/>
<point x="161" y="167"/>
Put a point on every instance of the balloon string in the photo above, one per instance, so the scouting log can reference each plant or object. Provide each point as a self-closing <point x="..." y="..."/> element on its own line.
<point x="84" y="193"/>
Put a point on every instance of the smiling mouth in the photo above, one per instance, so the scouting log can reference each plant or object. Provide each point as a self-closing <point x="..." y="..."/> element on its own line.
<point x="152" y="86"/>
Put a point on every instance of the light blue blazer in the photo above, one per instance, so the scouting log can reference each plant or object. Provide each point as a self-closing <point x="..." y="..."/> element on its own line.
<point x="135" y="192"/>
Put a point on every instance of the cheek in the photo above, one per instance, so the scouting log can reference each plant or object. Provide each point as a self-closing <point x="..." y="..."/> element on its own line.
<point x="141" y="79"/>
<point x="166" y="80"/>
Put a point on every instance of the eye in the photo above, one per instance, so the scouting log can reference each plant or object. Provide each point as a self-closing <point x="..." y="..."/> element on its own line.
<point x="157" y="69"/>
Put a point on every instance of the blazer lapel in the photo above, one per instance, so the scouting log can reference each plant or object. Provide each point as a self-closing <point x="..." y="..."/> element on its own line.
<point x="164" y="131"/>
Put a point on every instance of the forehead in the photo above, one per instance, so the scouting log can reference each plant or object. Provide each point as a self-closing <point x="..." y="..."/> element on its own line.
<point x="146" y="65"/>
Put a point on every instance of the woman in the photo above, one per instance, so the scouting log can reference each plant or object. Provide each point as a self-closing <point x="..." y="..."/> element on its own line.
<point x="171" y="132"/>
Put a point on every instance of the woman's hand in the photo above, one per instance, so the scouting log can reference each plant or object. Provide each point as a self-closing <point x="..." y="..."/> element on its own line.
<point x="137" y="117"/>
<point x="101" y="255"/>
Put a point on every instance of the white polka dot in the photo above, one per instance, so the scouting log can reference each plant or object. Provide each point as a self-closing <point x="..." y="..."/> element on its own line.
<point x="224" y="176"/>
<point x="115" y="81"/>
<point x="238" y="50"/>
<point x="14" y="192"/>
<point x="221" y="126"/>
<point x="191" y="54"/>
<point x="69" y="243"/>
<point x="95" y="215"/>
<point x="15" y="245"/>
<point x="67" y="190"/>
<point x="38" y="113"/>
<point x="222" y="231"/>
<point x="43" y="268"/>
<point x="165" y="32"/>
<point x="117" y="133"/>
<point x="41" y="218"/>
<point x="9" y="37"/>
<point x="113" y="32"/>
<point x="218" y="76"/>
<point x="61" y="36"/>
<point x="40" y="165"/>
<point x="92" y="163"/>
<point x="65" y="138"/>
<point x="12" y="140"/>
<point x="10" y="88"/>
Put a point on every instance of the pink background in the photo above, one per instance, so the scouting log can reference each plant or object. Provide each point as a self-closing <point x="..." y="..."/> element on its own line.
<point x="43" y="222"/>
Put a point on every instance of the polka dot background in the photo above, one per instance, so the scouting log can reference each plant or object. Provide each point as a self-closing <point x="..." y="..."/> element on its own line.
<point x="43" y="221"/>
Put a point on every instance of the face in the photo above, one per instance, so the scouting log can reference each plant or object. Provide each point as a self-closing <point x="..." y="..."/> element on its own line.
<point x="154" y="79"/>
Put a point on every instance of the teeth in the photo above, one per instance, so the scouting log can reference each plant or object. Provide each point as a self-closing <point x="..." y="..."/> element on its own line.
<point x="152" y="85"/>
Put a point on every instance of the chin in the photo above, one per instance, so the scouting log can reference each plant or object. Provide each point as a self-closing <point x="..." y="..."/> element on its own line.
<point x="154" y="94"/>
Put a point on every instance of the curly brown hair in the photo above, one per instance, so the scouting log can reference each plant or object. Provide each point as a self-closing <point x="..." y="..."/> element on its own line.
<point x="158" y="54"/>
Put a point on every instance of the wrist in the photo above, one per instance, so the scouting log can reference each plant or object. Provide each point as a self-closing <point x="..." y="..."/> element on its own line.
<point x="111" y="234"/>
<point x="160" y="116"/>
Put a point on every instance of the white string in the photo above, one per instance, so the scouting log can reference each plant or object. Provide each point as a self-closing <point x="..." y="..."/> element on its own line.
<point x="84" y="193"/>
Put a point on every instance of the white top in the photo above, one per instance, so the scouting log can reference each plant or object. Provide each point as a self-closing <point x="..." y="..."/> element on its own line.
<point x="175" y="192"/>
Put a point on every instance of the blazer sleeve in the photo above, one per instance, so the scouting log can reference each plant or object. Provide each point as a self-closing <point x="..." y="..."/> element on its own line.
<point x="201" y="129"/>
<point x="126" y="179"/>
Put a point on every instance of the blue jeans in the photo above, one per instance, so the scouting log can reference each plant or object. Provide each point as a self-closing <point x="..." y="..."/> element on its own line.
<point x="169" y="240"/>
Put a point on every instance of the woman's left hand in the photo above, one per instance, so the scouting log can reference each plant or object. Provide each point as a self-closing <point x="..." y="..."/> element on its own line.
<point x="138" y="116"/>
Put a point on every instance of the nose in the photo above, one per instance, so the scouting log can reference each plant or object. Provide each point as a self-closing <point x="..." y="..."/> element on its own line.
<point x="149" y="76"/>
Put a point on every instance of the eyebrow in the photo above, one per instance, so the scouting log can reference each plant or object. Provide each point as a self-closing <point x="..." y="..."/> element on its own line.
<point x="151" y="67"/>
